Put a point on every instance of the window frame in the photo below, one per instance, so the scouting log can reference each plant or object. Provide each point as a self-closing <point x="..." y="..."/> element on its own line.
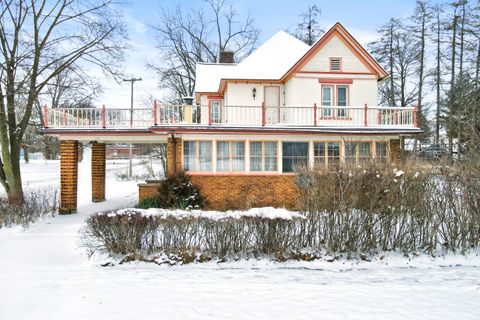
<point x="357" y="156"/>
<point x="326" y="157"/>
<point x="334" y="110"/>
<point x="230" y="155"/>
<point x="263" y="156"/>
<point x="197" y="155"/>
<point x="210" y="103"/>
<point x="307" y="158"/>
<point x="383" y="159"/>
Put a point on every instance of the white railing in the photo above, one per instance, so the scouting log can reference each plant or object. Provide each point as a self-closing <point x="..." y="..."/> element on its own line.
<point x="171" y="115"/>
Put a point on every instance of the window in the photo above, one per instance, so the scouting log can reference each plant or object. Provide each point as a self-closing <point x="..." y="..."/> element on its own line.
<point x="197" y="156"/>
<point x="342" y="101"/>
<point x="215" y="111"/>
<point x="381" y="151"/>
<point x="326" y="153"/>
<point x="335" y="64"/>
<point x="357" y="152"/>
<point x="327" y="100"/>
<point x="295" y="155"/>
<point x="263" y="156"/>
<point x="230" y="156"/>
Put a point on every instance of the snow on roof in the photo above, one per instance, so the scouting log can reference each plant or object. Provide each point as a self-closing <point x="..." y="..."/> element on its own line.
<point x="270" y="61"/>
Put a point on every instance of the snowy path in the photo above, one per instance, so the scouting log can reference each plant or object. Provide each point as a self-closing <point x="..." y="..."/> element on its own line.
<point x="44" y="275"/>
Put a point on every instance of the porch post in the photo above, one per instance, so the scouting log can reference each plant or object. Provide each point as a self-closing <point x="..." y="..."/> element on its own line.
<point x="68" y="176"/>
<point x="98" y="172"/>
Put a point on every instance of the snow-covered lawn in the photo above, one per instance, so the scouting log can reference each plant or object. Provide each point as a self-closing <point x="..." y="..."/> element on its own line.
<point x="45" y="275"/>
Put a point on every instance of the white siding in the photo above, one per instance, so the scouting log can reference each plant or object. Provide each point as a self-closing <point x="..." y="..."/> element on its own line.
<point x="335" y="48"/>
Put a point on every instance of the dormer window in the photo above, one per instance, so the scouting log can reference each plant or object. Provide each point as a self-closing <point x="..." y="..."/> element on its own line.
<point x="335" y="64"/>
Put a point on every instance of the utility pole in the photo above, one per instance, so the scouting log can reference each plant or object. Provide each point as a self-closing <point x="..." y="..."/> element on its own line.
<point x="132" y="81"/>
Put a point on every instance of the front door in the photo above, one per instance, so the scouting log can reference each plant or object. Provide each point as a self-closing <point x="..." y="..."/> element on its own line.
<point x="272" y="105"/>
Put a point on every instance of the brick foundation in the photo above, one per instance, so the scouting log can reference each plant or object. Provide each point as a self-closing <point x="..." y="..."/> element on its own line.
<point x="233" y="192"/>
<point x="174" y="161"/>
<point x="147" y="190"/>
<point x="98" y="172"/>
<point x="68" y="176"/>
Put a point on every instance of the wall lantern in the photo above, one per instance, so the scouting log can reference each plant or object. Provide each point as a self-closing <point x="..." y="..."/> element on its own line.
<point x="254" y="93"/>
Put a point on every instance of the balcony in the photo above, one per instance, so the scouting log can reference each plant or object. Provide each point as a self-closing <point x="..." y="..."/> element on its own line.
<point x="232" y="116"/>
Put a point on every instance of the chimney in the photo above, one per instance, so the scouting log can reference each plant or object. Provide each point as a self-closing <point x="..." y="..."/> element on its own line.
<point x="226" y="56"/>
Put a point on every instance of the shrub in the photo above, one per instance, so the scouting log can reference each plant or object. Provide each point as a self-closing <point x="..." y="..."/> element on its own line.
<point x="38" y="203"/>
<point x="178" y="191"/>
<point x="147" y="203"/>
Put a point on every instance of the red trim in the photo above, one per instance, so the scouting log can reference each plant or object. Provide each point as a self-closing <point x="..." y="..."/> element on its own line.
<point x="64" y="117"/>
<point x="365" y="115"/>
<point x="45" y="115"/>
<point x="336" y="72"/>
<point x="335" y="81"/>
<point x="315" y="114"/>
<point x="275" y="131"/>
<point x="104" y="117"/>
<point x="239" y="174"/>
<point x="215" y="97"/>
<point x="209" y="112"/>
<point x="263" y="114"/>
<point x="155" y="122"/>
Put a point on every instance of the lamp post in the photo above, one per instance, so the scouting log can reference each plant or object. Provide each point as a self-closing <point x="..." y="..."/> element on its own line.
<point x="132" y="81"/>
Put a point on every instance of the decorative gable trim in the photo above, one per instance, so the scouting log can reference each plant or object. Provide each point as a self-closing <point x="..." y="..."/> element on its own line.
<point x="339" y="31"/>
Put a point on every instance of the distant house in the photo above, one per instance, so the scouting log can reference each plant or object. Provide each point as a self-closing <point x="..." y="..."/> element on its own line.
<point x="286" y="106"/>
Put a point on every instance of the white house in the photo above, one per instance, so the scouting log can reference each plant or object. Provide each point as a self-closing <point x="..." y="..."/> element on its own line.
<point x="253" y="124"/>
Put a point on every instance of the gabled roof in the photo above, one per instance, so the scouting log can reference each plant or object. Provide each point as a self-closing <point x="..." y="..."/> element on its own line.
<point x="349" y="40"/>
<point x="277" y="60"/>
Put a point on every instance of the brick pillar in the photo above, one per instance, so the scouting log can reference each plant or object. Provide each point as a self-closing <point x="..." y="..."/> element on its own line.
<point x="395" y="151"/>
<point x="68" y="176"/>
<point x="174" y="156"/>
<point x="98" y="172"/>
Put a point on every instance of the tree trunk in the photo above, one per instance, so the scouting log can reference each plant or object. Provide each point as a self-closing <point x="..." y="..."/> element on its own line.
<point x="25" y="154"/>
<point x="438" y="79"/>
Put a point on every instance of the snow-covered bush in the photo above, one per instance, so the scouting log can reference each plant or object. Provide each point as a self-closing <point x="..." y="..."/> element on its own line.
<point x="178" y="191"/>
<point x="264" y="231"/>
<point x="38" y="203"/>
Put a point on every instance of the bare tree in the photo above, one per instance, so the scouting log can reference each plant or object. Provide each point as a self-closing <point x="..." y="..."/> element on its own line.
<point x="421" y="19"/>
<point x="187" y="37"/>
<point x="38" y="40"/>
<point x="309" y="30"/>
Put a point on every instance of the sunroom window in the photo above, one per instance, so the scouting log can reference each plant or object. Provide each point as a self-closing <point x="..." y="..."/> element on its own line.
<point x="230" y="156"/>
<point x="263" y="156"/>
<point x="197" y="156"/>
<point x="295" y="156"/>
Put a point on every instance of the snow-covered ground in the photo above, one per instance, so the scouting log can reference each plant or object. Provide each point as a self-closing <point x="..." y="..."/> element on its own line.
<point x="45" y="275"/>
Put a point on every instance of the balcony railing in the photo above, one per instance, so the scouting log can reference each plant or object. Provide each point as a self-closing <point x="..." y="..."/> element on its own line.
<point x="250" y="116"/>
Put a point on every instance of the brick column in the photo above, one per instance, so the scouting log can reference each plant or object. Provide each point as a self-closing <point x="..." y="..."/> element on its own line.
<point x="174" y="156"/>
<point x="68" y="176"/>
<point x="98" y="172"/>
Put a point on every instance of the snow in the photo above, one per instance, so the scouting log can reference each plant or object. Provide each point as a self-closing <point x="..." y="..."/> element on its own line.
<point x="44" y="274"/>
<point x="270" y="61"/>
<point x="264" y="213"/>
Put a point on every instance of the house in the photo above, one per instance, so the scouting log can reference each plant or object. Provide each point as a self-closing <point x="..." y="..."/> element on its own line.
<point x="287" y="105"/>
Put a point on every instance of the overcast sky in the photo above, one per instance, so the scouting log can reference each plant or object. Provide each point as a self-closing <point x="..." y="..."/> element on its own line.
<point x="360" y="17"/>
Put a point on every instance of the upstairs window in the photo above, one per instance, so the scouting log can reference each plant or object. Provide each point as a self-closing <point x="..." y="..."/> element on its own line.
<point x="335" y="64"/>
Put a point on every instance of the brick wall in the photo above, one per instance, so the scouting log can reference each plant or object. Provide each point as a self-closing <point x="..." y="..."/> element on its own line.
<point x="68" y="176"/>
<point x="98" y="172"/>
<point x="147" y="190"/>
<point x="232" y="192"/>
<point x="178" y="158"/>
